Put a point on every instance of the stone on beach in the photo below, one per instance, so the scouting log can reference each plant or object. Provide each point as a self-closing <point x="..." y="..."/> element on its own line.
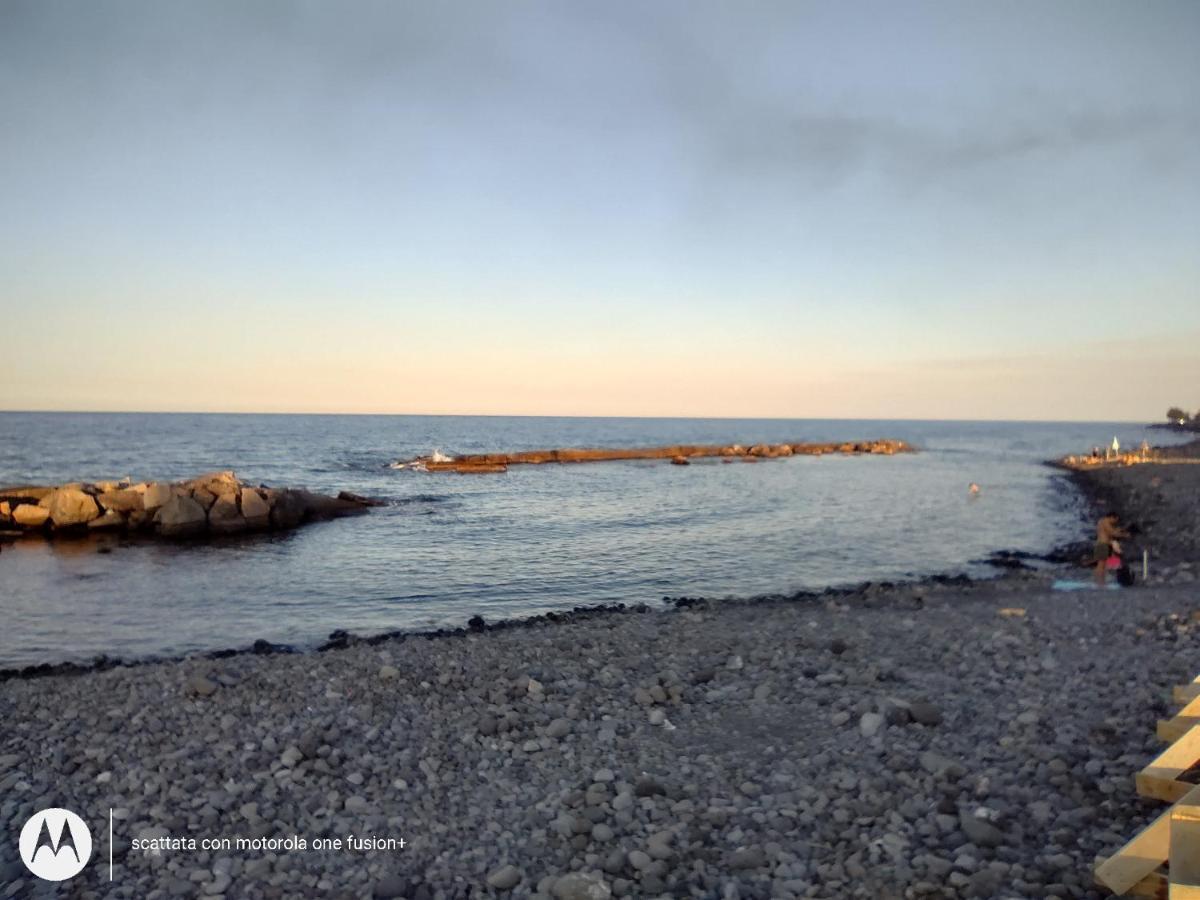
<point x="754" y="796"/>
<point x="505" y="878"/>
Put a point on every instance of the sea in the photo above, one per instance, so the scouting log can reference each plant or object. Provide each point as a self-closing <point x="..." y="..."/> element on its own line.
<point x="446" y="547"/>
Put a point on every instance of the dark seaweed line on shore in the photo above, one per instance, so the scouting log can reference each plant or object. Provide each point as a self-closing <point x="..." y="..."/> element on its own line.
<point x="340" y="639"/>
<point x="478" y="625"/>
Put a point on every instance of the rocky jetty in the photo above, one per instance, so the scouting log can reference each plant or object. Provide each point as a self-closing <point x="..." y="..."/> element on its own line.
<point x="216" y="503"/>
<point x="678" y="454"/>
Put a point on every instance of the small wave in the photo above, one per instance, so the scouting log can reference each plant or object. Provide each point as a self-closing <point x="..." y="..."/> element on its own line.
<point x="418" y="498"/>
<point x="419" y="463"/>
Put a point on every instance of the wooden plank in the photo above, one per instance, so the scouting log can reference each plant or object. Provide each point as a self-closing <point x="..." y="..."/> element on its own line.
<point x="1186" y="693"/>
<point x="1177" y="726"/>
<point x="1139" y="859"/>
<point x="1184" y="867"/>
<point x="1171" y="730"/>
<point x="1159" y="779"/>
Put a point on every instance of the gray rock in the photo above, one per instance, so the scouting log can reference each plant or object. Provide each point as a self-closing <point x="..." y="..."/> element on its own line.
<point x="201" y="685"/>
<point x="288" y="510"/>
<point x="224" y="517"/>
<point x="254" y="508"/>
<point x="390" y="887"/>
<point x="942" y="766"/>
<point x="869" y="724"/>
<point x="181" y="516"/>
<point x="979" y="832"/>
<point x="925" y="713"/>
<point x="581" y="886"/>
<point x="505" y="878"/>
<point x="747" y="858"/>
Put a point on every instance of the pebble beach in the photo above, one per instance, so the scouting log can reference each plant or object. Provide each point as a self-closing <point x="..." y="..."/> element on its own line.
<point x="945" y="738"/>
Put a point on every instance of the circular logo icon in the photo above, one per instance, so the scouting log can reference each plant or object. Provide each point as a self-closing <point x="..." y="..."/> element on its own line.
<point x="55" y="844"/>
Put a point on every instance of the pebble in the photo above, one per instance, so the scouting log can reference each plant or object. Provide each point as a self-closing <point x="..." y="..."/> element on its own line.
<point x="505" y="878"/>
<point x="526" y="757"/>
<point x="869" y="724"/>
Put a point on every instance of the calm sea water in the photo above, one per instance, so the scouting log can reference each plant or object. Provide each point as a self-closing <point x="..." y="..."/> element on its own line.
<point x="538" y="538"/>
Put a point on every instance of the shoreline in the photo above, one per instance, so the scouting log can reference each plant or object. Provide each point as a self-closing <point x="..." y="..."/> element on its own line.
<point x="946" y="737"/>
<point x="1006" y="563"/>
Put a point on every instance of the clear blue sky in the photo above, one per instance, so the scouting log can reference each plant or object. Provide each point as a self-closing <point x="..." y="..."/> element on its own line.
<point x="790" y="209"/>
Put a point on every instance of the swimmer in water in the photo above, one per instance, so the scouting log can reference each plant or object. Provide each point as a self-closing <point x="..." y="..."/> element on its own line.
<point x="973" y="490"/>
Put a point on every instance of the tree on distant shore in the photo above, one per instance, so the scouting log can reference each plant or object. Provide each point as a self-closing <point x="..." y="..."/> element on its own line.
<point x="1177" y="416"/>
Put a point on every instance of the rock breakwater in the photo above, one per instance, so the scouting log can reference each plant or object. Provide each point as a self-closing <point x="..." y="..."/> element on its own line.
<point x="216" y="503"/>
<point x="678" y="454"/>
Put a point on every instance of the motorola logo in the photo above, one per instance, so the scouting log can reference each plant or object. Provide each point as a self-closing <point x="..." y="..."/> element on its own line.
<point x="55" y="844"/>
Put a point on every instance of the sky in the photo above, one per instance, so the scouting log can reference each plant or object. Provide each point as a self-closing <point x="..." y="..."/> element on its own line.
<point x="841" y="209"/>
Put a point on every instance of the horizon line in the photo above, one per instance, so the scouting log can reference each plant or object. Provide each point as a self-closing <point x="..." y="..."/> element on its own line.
<point x="187" y="412"/>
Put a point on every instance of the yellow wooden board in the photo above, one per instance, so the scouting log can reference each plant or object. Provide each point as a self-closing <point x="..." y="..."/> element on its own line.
<point x="1159" y="780"/>
<point x="1184" y="867"/>
<point x="1134" y="864"/>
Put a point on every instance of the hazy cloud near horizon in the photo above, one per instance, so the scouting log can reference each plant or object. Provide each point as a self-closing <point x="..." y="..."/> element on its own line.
<point x="627" y="196"/>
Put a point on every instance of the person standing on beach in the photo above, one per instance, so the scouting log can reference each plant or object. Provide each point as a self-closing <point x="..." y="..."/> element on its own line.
<point x="1108" y="530"/>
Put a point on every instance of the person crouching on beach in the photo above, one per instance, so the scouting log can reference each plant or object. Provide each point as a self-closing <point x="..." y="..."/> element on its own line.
<point x="1108" y="530"/>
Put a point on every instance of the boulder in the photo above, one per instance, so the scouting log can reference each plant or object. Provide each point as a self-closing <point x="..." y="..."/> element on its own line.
<point x="224" y="516"/>
<point x="70" y="506"/>
<point x="156" y="494"/>
<point x="29" y="516"/>
<point x="110" y="519"/>
<point x="216" y="483"/>
<point x="123" y="501"/>
<point x="181" y="516"/>
<point x="289" y="509"/>
<point x="204" y="497"/>
<point x="254" y="508"/>
<point x="27" y="493"/>
<point x="322" y="506"/>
